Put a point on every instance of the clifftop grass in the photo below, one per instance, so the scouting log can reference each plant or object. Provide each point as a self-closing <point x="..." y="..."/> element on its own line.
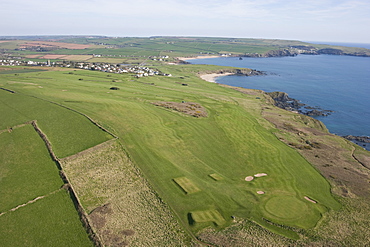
<point x="233" y="141"/>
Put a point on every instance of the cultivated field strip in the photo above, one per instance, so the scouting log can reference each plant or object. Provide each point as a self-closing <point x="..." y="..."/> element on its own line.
<point x="27" y="157"/>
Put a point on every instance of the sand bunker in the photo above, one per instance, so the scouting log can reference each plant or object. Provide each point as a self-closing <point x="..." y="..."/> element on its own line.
<point x="309" y="199"/>
<point x="260" y="175"/>
<point x="260" y="192"/>
<point x="249" y="178"/>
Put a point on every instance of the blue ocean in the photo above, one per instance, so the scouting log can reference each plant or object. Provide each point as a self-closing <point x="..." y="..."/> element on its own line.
<point x="337" y="83"/>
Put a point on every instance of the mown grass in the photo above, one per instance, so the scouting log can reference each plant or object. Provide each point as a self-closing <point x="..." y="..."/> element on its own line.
<point x="234" y="142"/>
<point x="51" y="221"/>
<point x="186" y="185"/>
<point x="211" y="215"/>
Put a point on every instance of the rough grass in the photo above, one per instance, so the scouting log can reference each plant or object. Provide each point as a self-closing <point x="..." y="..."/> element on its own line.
<point x="336" y="158"/>
<point x="189" y="108"/>
<point x="120" y="201"/>
<point x="348" y="226"/>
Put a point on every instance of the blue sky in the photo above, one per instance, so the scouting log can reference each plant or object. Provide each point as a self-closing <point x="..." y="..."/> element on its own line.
<point x="314" y="20"/>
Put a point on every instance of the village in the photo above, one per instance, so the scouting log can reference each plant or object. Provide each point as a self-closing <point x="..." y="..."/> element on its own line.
<point x="139" y="71"/>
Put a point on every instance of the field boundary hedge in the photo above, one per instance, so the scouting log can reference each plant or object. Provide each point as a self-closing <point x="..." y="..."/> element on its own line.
<point x="68" y="108"/>
<point x="78" y="112"/>
<point x="76" y="202"/>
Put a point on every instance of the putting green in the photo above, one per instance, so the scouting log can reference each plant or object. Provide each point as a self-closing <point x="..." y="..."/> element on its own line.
<point x="286" y="207"/>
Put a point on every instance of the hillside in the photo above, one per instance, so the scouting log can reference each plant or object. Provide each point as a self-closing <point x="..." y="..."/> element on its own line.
<point x="169" y="159"/>
<point x="94" y="49"/>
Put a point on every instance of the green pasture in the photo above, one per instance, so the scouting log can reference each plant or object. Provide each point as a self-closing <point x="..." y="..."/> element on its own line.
<point x="171" y="46"/>
<point x="29" y="175"/>
<point x="51" y="221"/>
<point x="68" y="131"/>
<point x="26" y="168"/>
<point x="233" y="142"/>
<point x="19" y="71"/>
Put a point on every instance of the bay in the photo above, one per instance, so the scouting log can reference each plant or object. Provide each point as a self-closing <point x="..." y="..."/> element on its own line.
<point x="337" y="83"/>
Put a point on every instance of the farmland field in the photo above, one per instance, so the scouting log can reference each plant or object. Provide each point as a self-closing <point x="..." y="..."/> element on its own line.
<point x="67" y="130"/>
<point x="35" y="211"/>
<point x="78" y="58"/>
<point x="138" y="48"/>
<point x="50" y="56"/>
<point x="51" y="221"/>
<point x="25" y="165"/>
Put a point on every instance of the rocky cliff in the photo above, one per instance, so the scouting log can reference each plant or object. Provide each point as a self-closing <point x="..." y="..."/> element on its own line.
<point x="283" y="101"/>
<point x="310" y="50"/>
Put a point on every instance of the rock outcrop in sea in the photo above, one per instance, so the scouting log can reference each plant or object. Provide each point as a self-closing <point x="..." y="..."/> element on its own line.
<point x="283" y="101"/>
<point x="364" y="139"/>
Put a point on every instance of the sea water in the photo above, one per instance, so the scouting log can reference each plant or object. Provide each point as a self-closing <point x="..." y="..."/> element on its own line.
<point x="337" y="83"/>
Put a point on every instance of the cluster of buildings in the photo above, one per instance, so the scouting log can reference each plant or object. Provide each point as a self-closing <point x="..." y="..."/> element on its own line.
<point x="159" y="58"/>
<point x="6" y="62"/>
<point x="119" y="69"/>
<point x="139" y="71"/>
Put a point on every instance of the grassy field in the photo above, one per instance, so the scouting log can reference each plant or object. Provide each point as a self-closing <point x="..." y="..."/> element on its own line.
<point x="168" y="145"/>
<point x="133" y="49"/>
<point x="34" y="210"/>
<point x="67" y="130"/>
<point x="196" y="165"/>
<point x="27" y="170"/>
<point x="33" y="205"/>
<point x="51" y="221"/>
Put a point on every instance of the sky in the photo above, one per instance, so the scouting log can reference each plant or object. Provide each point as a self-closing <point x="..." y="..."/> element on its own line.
<point x="314" y="20"/>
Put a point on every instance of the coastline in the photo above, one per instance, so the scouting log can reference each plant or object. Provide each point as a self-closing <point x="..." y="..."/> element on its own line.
<point x="196" y="57"/>
<point x="213" y="76"/>
<point x="362" y="141"/>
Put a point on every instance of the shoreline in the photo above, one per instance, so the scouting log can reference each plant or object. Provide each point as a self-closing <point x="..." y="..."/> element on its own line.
<point x="196" y="57"/>
<point x="359" y="140"/>
<point x="213" y="76"/>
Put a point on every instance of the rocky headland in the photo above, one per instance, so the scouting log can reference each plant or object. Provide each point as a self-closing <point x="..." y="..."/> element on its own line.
<point x="310" y="50"/>
<point x="364" y="139"/>
<point x="283" y="101"/>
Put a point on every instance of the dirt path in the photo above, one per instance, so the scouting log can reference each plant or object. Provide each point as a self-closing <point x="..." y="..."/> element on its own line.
<point x="30" y="202"/>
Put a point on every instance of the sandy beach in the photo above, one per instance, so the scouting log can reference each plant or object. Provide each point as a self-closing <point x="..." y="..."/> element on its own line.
<point x="197" y="57"/>
<point x="212" y="77"/>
